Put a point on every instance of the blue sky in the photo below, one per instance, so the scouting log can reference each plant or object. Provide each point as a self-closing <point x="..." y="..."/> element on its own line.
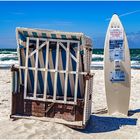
<point x="88" y="17"/>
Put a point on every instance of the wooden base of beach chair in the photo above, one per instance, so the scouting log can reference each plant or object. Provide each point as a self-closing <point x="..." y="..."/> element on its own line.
<point x="71" y="115"/>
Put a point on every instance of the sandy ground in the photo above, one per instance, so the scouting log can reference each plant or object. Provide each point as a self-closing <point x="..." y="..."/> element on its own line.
<point x="101" y="125"/>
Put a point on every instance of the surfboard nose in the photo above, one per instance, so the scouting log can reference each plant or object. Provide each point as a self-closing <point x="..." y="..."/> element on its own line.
<point x="115" y="16"/>
<point x="115" y="22"/>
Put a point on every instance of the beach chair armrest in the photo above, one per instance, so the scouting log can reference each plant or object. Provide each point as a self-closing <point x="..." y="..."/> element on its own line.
<point x="14" y="68"/>
<point x="88" y="76"/>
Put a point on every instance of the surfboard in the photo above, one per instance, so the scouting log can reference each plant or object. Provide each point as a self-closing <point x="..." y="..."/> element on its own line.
<point x="117" y="69"/>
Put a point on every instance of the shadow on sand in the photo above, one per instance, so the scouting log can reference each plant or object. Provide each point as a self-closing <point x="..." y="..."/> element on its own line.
<point x="98" y="124"/>
<point x="132" y="112"/>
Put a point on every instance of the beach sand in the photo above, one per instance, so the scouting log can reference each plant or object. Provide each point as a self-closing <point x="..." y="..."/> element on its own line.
<point x="101" y="124"/>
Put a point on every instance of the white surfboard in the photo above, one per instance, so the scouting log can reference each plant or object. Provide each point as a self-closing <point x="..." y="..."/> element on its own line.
<point x="117" y="69"/>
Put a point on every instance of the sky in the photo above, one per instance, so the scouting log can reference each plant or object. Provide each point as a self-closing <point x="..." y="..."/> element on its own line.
<point x="91" y="18"/>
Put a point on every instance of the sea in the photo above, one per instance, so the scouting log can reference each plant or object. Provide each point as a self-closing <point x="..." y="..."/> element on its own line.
<point x="9" y="57"/>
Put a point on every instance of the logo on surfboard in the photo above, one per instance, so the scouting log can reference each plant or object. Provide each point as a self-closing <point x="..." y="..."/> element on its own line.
<point x="116" y="53"/>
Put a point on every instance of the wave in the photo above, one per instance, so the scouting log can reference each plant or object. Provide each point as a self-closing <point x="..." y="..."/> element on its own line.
<point x="97" y="57"/>
<point x="8" y="51"/>
<point x="5" y="57"/>
<point x="8" y="64"/>
<point x="8" y="58"/>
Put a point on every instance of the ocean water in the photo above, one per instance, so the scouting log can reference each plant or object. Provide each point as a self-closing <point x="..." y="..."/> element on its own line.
<point x="9" y="57"/>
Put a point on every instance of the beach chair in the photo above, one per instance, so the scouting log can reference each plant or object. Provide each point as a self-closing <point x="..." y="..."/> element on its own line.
<point x="53" y="81"/>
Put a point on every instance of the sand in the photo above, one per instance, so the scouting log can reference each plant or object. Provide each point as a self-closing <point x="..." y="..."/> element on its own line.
<point x="101" y="125"/>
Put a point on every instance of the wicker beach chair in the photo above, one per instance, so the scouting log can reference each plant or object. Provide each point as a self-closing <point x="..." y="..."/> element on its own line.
<point x="53" y="80"/>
